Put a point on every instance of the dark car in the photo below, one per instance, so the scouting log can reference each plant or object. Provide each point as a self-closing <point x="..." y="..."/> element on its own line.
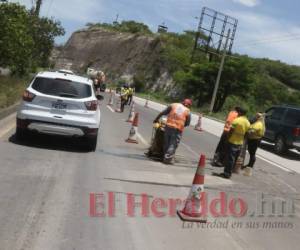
<point x="283" y="127"/>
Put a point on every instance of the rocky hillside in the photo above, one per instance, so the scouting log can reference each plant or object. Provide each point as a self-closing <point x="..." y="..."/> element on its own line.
<point x="117" y="54"/>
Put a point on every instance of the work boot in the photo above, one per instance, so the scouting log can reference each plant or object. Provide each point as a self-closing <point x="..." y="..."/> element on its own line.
<point x="168" y="161"/>
<point x="217" y="164"/>
<point x="222" y="175"/>
<point x="248" y="171"/>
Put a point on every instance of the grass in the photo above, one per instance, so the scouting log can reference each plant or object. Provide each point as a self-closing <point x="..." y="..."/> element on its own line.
<point x="161" y="98"/>
<point x="11" y="89"/>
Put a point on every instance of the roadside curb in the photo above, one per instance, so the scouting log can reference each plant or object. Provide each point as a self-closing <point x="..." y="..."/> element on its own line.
<point x="9" y="110"/>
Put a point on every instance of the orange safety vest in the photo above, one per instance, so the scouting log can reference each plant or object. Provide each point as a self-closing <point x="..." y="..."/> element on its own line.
<point x="177" y="116"/>
<point x="231" y="116"/>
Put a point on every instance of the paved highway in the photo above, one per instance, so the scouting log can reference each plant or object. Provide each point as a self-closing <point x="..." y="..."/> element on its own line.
<point x="46" y="183"/>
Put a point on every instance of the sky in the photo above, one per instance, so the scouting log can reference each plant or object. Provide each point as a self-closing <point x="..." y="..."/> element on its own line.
<point x="266" y="28"/>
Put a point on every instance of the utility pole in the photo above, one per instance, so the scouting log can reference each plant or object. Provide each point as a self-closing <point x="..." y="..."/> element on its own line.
<point x="37" y="7"/>
<point x="116" y="21"/>
<point x="212" y="104"/>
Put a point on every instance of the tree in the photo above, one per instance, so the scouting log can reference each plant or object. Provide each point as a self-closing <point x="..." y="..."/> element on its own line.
<point x="199" y="81"/>
<point x="26" y="40"/>
<point x="43" y="34"/>
<point x="16" y="43"/>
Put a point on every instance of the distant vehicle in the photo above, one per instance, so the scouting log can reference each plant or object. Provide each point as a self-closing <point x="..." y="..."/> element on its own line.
<point x="60" y="104"/>
<point x="66" y="71"/>
<point x="283" y="127"/>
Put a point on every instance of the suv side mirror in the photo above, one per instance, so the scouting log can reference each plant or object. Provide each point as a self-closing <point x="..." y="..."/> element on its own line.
<point x="100" y="97"/>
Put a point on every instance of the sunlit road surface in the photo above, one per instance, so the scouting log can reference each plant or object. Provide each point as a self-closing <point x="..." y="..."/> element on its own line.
<point x="45" y="187"/>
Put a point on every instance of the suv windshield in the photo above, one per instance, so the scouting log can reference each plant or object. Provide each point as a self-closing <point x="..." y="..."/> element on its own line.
<point x="62" y="87"/>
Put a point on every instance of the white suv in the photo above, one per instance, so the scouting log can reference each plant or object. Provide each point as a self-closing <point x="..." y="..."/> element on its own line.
<point x="60" y="104"/>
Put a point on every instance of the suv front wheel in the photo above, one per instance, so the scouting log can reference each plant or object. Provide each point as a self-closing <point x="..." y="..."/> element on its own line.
<point x="280" y="146"/>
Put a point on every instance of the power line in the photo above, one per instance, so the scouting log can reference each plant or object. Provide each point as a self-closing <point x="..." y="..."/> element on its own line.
<point x="49" y="7"/>
<point x="271" y="41"/>
<point x="275" y="38"/>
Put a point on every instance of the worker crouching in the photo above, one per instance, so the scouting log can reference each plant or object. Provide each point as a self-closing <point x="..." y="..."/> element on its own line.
<point x="178" y="117"/>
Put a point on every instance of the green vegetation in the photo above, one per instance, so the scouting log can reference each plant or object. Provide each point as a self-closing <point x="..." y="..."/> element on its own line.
<point x="11" y="90"/>
<point x="26" y="40"/>
<point x="125" y="26"/>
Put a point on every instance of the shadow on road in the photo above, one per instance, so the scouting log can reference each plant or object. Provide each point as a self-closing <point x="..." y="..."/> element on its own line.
<point x="124" y="155"/>
<point x="290" y="155"/>
<point x="148" y="182"/>
<point x="51" y="143"/>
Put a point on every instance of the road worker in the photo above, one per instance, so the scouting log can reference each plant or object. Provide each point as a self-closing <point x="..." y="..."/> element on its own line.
<point x="254" y="136"/>
<point x="178" y="117"/>
<point x="220" y="153"/>
<point x="236" y="136"/>
<point x="124" y="96"/>
<point x="130" y="94"/>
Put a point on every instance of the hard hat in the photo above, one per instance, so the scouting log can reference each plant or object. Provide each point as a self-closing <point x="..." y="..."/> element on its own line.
<point x="187" y="102"/>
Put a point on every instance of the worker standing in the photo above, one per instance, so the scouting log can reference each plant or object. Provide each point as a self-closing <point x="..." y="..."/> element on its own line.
<point x="255" y="134"/>
<point x="178" y="117"/>
<point x="130" y="94"/>
<point x="220" y="153"/>
<point x="236" y="136"/>
<point x="124" y="96"/>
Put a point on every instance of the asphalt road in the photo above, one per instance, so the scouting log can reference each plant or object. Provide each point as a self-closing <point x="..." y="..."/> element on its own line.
<point x="46" y="183"/>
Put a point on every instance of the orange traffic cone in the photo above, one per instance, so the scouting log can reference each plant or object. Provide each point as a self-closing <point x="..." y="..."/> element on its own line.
<point x="198" y="126"/>
<point x="131" y="113"/>
<point x="133" y="131"/>
<point x="111" y="99"/>
<point x="194" y="208"/>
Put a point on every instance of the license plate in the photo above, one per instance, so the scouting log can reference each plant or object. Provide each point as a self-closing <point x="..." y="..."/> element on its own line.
<point x="59" y="105"/>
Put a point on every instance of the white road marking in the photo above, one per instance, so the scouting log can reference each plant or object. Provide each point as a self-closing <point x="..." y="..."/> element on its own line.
<point x="142" y="139"/>
<point x="190" y="149"/>
<point x="110" y="108"/>
<point x="274" y="164"/>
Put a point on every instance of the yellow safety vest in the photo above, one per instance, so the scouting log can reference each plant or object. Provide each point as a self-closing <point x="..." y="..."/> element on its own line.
<point x="124" y="93"/>
<point x="256" y="130"/>
<point x="130" y="91"/>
